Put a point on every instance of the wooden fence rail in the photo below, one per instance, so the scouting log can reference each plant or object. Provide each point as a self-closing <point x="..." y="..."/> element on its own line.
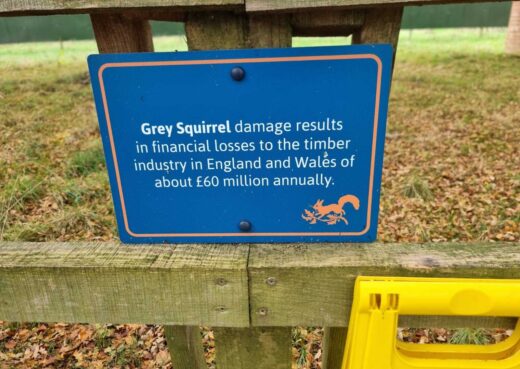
<point x="224" y="285"/>
<point x="250" y="294"/>
<point x="32" y="7"/>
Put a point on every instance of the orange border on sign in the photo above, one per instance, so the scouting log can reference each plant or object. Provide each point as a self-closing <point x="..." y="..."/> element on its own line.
<point x="234" y="61"/>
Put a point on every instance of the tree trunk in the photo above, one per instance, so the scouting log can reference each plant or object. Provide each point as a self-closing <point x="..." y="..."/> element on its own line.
<point x="513" y="31"/>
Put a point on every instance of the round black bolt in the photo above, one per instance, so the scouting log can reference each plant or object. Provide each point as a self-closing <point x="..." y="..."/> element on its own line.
<point x="238" y="73"/>
<point x="245" y="225"/>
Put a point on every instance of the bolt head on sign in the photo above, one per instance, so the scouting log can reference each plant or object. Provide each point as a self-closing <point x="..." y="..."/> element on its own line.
<point x="198" y="152"/>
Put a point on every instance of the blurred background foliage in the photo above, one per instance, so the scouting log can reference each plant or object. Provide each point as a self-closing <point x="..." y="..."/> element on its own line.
<point x="77" y="27"/>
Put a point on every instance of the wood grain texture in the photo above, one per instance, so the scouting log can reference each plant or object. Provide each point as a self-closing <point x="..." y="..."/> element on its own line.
<point x="326" y="22"/>
<point x="228" y="30"/>
<point x="118" y="33"/>
<point x="292" y="5"/>
<point x="272" y="30"/>
<point x="253" y="348"/>
<point x="106" y="283"/>
<point x="158" y="14"/>
<point x="244" y="348"/>
<point x="314" y="283"/>
<point x="28" y="7"/>
<point x="333" y="347"/>
<point x="216" y="30"/>
<point x="289" y="284"/>
<point x="32" y="7"/>
<point x="380" y="26"/>
<point x="185" y="346"/>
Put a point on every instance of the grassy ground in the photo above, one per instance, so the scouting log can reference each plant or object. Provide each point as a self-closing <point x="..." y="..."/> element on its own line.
<point x="451" y="172"/>
<point x="411" y="42"/>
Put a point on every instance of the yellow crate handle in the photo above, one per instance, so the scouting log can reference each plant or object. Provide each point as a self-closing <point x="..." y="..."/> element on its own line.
<point x="372" y="338"/>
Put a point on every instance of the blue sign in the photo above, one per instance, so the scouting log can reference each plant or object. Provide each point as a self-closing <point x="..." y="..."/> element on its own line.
<point x="270" y="145"/>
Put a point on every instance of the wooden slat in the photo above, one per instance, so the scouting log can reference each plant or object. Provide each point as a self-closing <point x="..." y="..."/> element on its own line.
<point x="289" y="285"/>
<point x="158" y="14"/>
<point x="34" y="7"/>
<point x="333" y="347"/>
<point x="312" y="285"/>
<point x="292" y="5"/>
<point x="326" y="22"/>
<point x="118" y="33"/>
<point x="219" y="30"/>
<point x="185" y="346"/>
<point x="380" y="26"/>
<point x="258" y="348"/>
<point x="273" y="30"/>
<point x="228" y="30"/>
<point x="106" y="283"/>
<point x="244" y="348"/>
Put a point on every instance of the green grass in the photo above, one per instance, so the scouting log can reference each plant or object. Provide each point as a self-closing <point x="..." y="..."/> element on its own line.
<point x="66" y="52"/>
<point x="418" y="188"/>
<point x="86" y="161"/>
<point x="440" y="41"/>
<point x="470" y="336"/>
<point x="452" y="41"/>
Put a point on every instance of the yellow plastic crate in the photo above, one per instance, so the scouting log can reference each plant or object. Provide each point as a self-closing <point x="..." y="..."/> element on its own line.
<point x="372" y="338"/>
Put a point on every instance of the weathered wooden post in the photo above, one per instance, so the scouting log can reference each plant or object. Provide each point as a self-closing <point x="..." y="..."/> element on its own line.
<point x="120" y="33"/>
<point x="228" y="30"/>
<point x="239" y="348"/>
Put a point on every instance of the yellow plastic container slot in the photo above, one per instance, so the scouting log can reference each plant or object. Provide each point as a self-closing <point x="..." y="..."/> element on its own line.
<point x="372" y="337"/>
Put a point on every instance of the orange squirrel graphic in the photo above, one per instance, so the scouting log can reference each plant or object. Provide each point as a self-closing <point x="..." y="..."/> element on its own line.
<point x="323" y="210"/>
<point x="332" y="213"/>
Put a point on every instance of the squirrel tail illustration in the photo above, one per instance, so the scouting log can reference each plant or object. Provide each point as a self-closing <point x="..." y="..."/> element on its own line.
<point x="351" y="199"/>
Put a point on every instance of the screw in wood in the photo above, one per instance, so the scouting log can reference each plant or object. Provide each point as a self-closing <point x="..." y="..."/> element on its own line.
<point x="220" y="309"/>
<point x="221" y="282"/>
<point x="271" y="281"/>
<point x="262" y="311"/>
